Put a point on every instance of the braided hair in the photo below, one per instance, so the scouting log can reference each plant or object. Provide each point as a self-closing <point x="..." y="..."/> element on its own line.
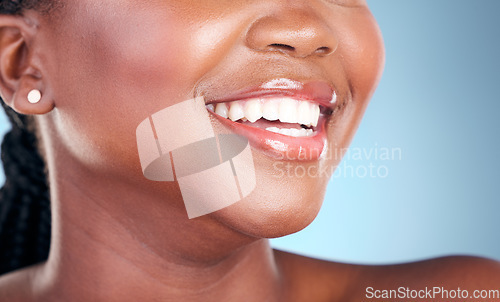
<point x="25" y="216"/>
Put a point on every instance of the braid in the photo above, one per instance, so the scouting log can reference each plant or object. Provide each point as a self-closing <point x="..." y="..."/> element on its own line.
<point x="15" y="7"/>
<point x="25" y="216"/>
<point x="24" y="198"/>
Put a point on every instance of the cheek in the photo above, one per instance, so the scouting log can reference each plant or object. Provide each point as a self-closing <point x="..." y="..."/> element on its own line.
<point x="363" y="55"/>
<point x="136" y="57"/>
<point x="361" y="50"/>
<point x="112" y="73"/>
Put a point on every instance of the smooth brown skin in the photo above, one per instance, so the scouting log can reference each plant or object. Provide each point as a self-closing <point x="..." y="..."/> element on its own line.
<point x="103" y="66"/>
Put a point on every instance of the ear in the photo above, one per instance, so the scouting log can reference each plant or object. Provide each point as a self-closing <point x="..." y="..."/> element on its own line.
<point x="20" y="72"/>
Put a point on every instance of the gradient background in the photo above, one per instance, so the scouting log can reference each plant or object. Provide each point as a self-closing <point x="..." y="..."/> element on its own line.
<point x="437" y="102"/>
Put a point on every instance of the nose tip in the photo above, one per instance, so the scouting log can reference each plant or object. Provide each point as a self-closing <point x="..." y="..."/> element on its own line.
<point x="296" y="33"/>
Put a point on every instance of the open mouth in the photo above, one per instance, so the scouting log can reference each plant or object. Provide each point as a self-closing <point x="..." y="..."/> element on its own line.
<point x="283" y="115"/>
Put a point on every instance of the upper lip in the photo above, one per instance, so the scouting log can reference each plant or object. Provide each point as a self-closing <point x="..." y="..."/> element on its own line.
<point x="314" y="91"/>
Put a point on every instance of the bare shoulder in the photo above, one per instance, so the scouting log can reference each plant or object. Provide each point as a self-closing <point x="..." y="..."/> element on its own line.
<point x="439" y="279"/>
<point x="452" y="270"/>
<point x="310" y="279"/>
<point x="330" y="281"/>
<point x="16" y="286"/>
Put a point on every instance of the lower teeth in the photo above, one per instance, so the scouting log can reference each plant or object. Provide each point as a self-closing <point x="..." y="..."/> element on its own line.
<point x="291" y="132"/>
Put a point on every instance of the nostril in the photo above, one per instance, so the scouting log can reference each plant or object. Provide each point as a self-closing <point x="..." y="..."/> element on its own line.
<point x="323" y="50"/>
<point x="281" y="47"/>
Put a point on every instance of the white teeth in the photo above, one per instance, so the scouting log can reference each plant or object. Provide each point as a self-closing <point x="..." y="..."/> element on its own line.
<point x="253" y="110"/>
<point x="288" y="111"/>
<point x="210" y="107"/>
<point x="314" y="115"/>
<point x="284" y="109"/>
<point x="291" y="132"/>
<point x="270" y="109"/>
<point x="273" y="129"/>
<point x="303" y="113"/>
<point x="236" y="111"/>
<point x="221" y="109"/>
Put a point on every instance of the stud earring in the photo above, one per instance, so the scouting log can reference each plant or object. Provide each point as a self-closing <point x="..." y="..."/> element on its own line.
<point x="34" y="96"/>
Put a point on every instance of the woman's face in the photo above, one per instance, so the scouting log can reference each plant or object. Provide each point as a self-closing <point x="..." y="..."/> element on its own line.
<point x="112" y="64"/>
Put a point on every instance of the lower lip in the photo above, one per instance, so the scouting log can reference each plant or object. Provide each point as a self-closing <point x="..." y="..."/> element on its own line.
<point x="281" y="147"/>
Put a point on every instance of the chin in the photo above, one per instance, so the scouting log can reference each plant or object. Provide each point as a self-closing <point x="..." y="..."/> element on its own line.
<point x="277" y="207"/>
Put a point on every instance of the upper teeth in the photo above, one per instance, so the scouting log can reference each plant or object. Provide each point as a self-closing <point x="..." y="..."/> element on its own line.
<point x="286" y="110"/>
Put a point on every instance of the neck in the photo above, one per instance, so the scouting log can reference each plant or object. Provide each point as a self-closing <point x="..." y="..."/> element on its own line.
<point x="111" y="244"/>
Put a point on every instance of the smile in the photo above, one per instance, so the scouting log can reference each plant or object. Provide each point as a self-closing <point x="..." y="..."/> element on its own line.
<point x="283" y="115"/>
<point x="284" y="118"/>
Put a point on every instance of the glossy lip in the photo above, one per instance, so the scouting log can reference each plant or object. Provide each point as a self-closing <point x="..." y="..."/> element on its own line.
<point x="279" y="146"/>
<point x="314" y="91"/>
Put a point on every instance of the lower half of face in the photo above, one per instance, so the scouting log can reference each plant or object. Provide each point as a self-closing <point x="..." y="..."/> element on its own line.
<point x="294" y="91"/>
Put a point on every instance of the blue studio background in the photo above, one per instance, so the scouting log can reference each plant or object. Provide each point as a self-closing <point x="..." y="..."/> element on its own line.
<point x="421" y="179"/>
